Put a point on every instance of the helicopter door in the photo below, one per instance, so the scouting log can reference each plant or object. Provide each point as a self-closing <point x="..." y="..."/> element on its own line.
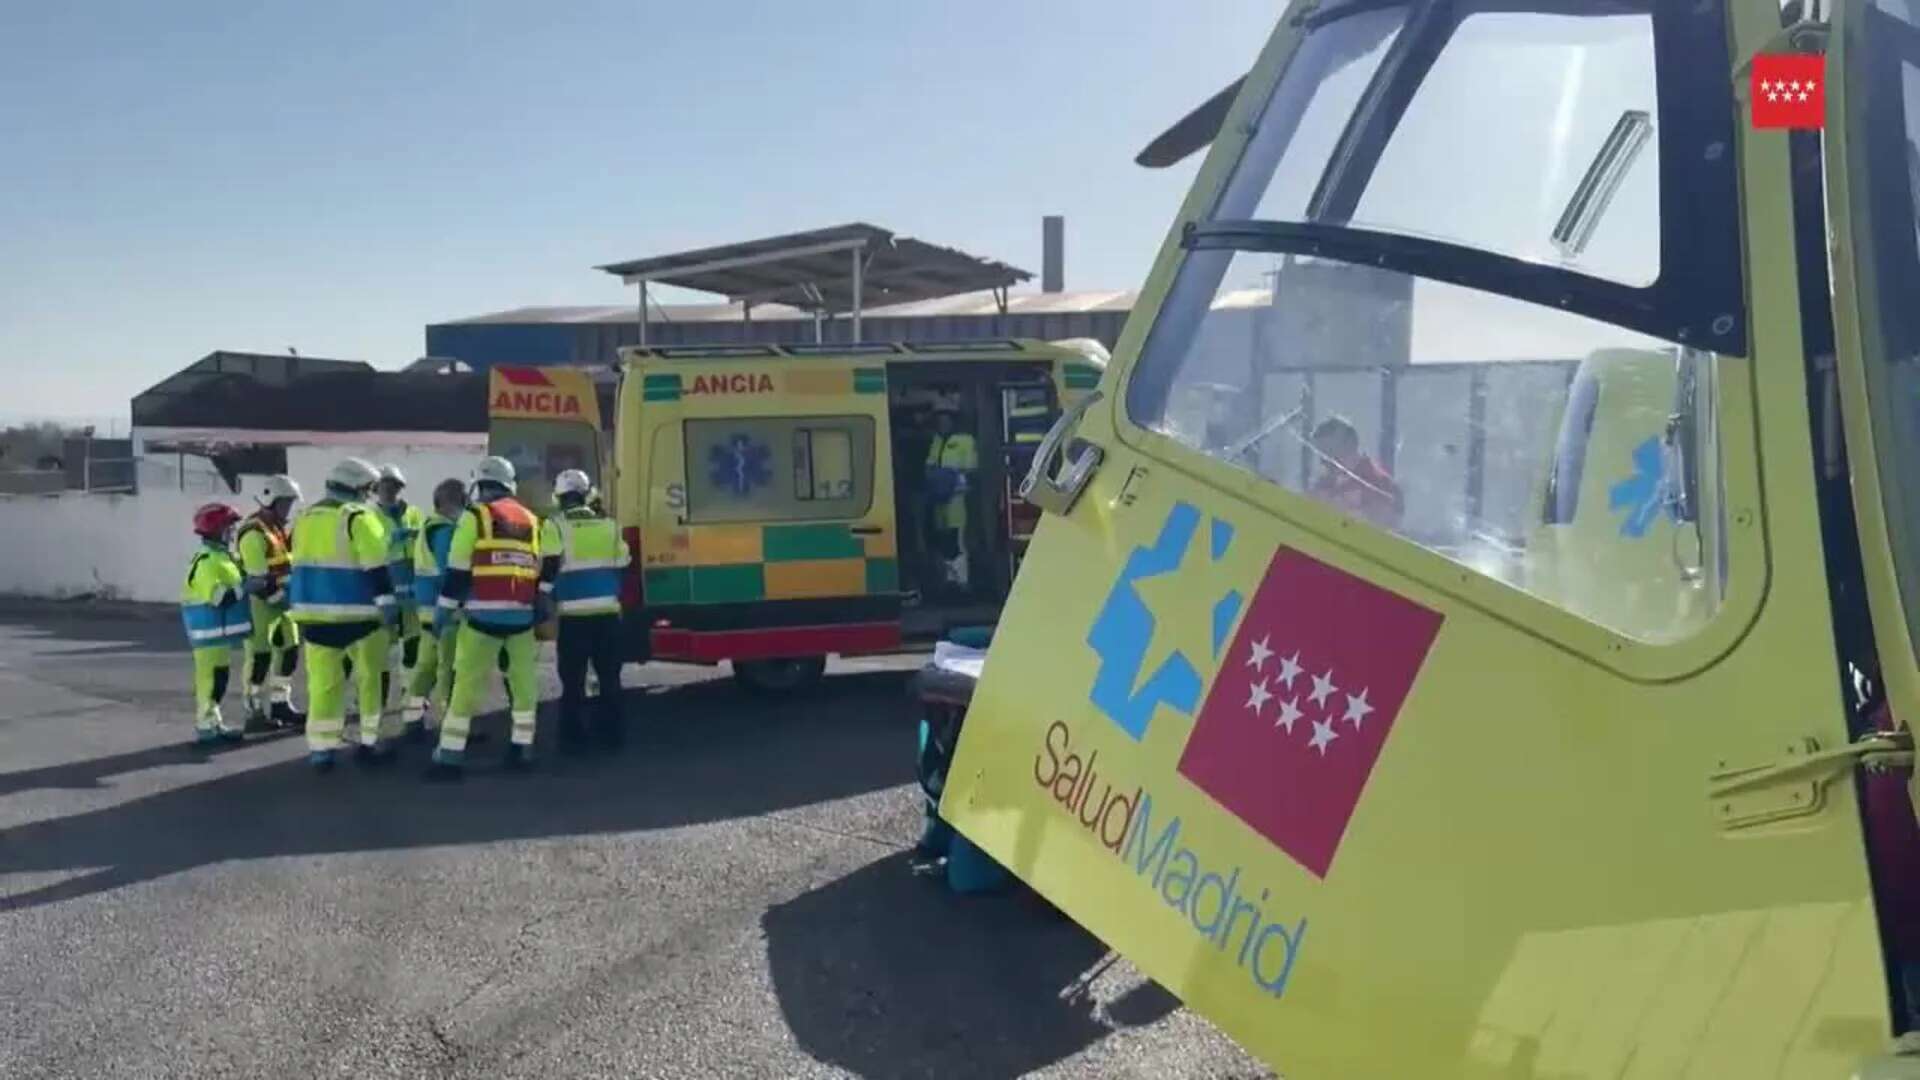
<point x="1269" y="714"/>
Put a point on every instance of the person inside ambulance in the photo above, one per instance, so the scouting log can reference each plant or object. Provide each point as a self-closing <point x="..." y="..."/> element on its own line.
<point x="1351" y="480"/>
<point x="953" y="460"/>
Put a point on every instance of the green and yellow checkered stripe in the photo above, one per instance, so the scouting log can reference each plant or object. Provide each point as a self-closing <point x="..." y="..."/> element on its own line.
<point x="733" y="564"/>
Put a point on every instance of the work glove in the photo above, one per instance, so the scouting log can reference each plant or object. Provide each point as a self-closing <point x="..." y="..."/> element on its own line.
<point x="542" y="607"/>
<point x="390" y="614"/>
<point x="444" y="619"/>
<point x="258" y="585"/>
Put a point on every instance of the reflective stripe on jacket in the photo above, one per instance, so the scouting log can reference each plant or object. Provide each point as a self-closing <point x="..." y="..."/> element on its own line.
<point x="212" y="608"/>
<point x="591" y="555"/>
<point x="499" y="544"/>
<point x="337" y="548"/>
<point x="430" y="559"/>
<point x="403" y="523"/>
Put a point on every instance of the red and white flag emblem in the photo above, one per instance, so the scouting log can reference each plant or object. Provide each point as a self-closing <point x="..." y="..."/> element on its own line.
<point x="1789" y="90"/>
<point x="1306" y="696"/>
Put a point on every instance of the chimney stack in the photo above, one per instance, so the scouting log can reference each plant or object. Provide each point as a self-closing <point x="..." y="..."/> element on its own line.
<point x="1053" y="253"/>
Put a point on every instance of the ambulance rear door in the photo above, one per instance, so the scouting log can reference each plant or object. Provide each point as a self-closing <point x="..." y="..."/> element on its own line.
<point x="545" y="420"/>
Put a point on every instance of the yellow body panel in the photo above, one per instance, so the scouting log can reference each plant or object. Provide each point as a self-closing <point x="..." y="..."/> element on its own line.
<point x="815" y="578"/>
<point x="1534" y="881"/>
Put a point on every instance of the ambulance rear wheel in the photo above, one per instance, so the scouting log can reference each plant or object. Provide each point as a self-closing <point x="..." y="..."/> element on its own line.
<point x="779" y="676"/>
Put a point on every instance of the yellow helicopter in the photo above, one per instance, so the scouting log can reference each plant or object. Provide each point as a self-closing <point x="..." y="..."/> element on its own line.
<point x="1473" y="627"/>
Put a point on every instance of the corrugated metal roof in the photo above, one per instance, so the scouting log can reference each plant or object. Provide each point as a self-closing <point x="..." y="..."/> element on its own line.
<point x="975" y="303"/>
<point x="813" y="270"/>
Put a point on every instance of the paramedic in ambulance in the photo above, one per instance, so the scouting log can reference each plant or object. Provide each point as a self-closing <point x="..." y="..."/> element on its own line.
<point x="952" y="461"/>
<point x="1351" y="480"/>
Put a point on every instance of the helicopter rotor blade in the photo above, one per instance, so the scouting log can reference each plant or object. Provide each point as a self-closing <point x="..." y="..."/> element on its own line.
<point x="1193" y="131"/>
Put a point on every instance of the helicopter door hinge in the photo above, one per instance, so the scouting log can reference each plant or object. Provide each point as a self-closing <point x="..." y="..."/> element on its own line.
<point x="1796" y="785"/>
<point x="1806" y="36"/>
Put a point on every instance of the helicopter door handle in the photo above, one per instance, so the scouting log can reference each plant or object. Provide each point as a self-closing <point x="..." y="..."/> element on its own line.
<point x="1055" y="490"/>
<point x="864" y="530"/>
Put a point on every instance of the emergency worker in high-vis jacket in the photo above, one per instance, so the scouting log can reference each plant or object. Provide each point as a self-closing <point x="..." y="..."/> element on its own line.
<point x="213" y="607"/>
<point x="953" y="459"/>
<point x="343" y="600"/>
<point x="265" y="547"/>
<point x="432" y="679"/>
<point x="582" y="558"/>
<point x="403" y="523"/>
<point x="492" y="584"/>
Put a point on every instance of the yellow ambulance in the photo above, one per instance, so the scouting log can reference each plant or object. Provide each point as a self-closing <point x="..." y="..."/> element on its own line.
<point x="778" y="499"/>
<point x="1472" y="629"/>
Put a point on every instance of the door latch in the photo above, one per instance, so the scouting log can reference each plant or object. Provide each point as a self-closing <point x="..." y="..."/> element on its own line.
<point x="1060" y="471"/>
<point x="1796" y="785"/>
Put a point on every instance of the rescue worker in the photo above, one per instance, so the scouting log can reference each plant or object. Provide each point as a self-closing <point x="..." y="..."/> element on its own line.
<point x="1351" y="480"/>
<point x="343" y="600"/>
<point x="403" y="524"/>
<point x="273" y="649"/>
<point x="952" y="460"/>
<point x="582" y="557"/>
<point x="492" y="583"/>
<point x="432" y="678"/>
<point x="213" y="607"/>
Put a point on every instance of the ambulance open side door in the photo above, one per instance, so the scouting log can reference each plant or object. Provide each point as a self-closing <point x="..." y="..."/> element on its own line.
<point x="1267" y="714"/>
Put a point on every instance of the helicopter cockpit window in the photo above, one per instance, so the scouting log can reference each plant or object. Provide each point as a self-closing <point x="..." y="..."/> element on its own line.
<point x="1442" y="291"/>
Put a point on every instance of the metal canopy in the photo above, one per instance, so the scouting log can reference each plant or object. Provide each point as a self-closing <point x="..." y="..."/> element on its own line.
<point x="823" y="271"/>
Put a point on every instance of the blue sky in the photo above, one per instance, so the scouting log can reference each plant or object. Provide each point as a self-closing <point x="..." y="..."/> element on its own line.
<point x="333" y="177"/>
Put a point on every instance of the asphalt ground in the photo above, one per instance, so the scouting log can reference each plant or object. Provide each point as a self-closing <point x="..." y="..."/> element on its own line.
<point x="731" y="897"/>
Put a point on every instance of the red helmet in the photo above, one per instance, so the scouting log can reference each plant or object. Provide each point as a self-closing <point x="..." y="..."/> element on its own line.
<point x="214" y="519"/>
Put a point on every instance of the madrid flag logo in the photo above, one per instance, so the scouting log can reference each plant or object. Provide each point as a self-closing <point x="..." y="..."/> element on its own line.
<point x="1303" y="703"/>
<point x="1789" y="91"/>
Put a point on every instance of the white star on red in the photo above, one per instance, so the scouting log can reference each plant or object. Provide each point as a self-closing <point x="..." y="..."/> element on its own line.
<point x="1257" y="696"/>
<point x="1289" y="670"/>
<point x="1357" y="709"/>
<point x="1322" y="688"/>
<point x="1289" y="712"/>
<point x="1803" y="95"/>
<point x="1323" y="734"/>
<point x="1261" y="654"/>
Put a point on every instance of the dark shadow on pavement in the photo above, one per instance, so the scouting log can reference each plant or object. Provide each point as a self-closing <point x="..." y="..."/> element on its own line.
<point x="83" y="775"/>
<point x="886" y="973"/>
<point x="698" y="753"/>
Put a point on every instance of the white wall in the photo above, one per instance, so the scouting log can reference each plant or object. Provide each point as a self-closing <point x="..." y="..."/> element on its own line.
<point x="136" y="547"/>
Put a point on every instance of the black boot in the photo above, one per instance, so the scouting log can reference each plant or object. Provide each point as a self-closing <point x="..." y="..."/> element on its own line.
<point x="519" y="759"/>
<point x="258" y="722"/>
<point x="285" y="715"/>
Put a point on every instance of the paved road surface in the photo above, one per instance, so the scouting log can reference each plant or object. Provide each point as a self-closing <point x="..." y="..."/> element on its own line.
<point x="728" y="899"/>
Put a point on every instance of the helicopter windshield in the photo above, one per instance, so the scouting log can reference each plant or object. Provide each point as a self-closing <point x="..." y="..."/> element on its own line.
<point x="1443" y="216"/>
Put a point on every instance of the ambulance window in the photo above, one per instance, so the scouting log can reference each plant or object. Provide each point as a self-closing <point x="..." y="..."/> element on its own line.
<point x="541" y="450"/>
<point x="823" y="464"/>
<point x="779" y="468"/>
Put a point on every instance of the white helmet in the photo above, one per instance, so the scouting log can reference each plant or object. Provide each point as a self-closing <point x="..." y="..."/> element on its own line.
<point x="494" y="470"/>
<point x="277" y="488"/>
<point x="572" y="482"/>
<point x="393" y="473"/>
<point x="352" y="475"/>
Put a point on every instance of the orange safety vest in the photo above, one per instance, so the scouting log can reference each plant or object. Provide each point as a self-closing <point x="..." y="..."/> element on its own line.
<point x="506" y="559"/>
<point x="279" y="549"/>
